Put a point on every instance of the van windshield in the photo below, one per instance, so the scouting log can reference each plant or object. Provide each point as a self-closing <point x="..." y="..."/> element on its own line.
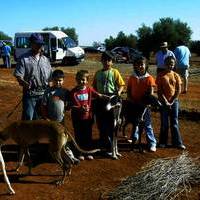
<point x="69" y="43"/>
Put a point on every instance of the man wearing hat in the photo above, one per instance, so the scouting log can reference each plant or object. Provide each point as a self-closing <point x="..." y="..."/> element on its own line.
<point x="161" y="55"/>
<point x="33" y="72"/>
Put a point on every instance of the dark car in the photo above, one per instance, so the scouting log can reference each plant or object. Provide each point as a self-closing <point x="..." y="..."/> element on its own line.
<point x="91" y="49"/>
<point x="125" y="54"/>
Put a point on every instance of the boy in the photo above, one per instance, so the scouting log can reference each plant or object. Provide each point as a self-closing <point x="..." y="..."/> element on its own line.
<point x="55" y="98"/>
<point x="169" y="88"/>
<point x="106" y="81"/>
<point x="139" y="89"/>
<point x="54" y="103"/>
<point x="81" y="111"/>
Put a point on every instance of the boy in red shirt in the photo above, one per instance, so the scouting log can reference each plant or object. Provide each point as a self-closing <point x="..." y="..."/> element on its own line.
<point x="82" y="117"/>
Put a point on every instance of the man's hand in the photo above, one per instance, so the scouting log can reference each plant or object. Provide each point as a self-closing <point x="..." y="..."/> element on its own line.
<point x="23" y="83"/>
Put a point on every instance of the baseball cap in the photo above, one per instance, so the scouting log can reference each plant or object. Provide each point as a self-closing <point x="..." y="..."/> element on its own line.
<point x="36" y="38"/>
<point x="163" y="44"/>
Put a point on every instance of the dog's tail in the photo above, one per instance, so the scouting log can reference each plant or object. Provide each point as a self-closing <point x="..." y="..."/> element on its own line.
<point x="78" y="148"/>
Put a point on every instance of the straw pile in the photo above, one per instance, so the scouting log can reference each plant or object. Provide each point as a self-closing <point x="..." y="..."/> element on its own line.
<point x="161" y="179"/>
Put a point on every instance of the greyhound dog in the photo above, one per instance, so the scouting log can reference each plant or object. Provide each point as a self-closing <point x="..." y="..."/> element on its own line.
<point x="28" y="132"/>
<point x="115" y="105"/>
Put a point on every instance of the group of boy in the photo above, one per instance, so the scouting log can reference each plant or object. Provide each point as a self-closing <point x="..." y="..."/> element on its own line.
<point x="42" y="86"/>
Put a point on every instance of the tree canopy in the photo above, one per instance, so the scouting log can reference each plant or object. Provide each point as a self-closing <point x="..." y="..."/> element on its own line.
<point x="4" y="36"/>
<point x="148" y="39"/>
<point x="121" y="40"/>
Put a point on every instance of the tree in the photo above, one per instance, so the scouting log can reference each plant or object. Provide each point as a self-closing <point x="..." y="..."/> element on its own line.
<point x="71" y="32"/>
<point x="121" y="40"/>
<point x="145" y="40"/>
<point x="166" y="29"/>
<point x="171" y="31"/>
<point x="4" y="36"/>
<point x="195" y="47"/>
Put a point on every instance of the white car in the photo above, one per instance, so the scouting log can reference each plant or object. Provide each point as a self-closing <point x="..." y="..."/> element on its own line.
<point x="101" y="48"/>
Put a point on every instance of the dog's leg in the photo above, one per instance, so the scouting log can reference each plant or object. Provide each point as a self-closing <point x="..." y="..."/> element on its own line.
<point x="116" y="143"/>
<point x="29" y="160"/>
<point x="21" y="158"/>
<point x="11" y="191"/>
<point x="66" y="164"/>
<point x="114" y="155"/>
<point x="141" y="126"/>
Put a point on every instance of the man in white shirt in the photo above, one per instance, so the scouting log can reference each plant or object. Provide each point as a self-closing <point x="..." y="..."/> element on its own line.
<point x="161" y="55"/>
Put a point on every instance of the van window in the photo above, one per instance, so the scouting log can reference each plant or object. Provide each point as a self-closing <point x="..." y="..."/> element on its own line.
<point x="22" y="42"/>
<point x="69" y="43"/>
<point x="60" y="44"/>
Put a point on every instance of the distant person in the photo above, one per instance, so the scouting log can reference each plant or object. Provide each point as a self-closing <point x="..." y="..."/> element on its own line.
<point x="33" y="72"/>
<point x="183" y="55"/>
<point x="56" y="98"/>
<point x="169" y="88"/>
<point x="5" y="53"/>
<point x="161" y="55"/>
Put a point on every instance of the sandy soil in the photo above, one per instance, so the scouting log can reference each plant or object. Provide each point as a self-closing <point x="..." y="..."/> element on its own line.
<point x="90" y="179"/>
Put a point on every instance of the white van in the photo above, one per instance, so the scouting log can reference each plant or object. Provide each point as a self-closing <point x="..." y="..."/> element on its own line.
<point x="58" y="46"/>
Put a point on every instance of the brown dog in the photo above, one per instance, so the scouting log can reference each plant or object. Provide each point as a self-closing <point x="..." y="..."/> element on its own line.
<point x="26" y="133"/>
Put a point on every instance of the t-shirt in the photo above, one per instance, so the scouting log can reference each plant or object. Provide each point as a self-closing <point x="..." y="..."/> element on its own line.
<point x="168" y="83"/>
<point x="139" y="85"/>
<point x="183" y="55"/>
<point x="55" y="100"/>
<point x="82" y="97"/>
<point x="36" y="72"/>
<point x="108" y="81"/>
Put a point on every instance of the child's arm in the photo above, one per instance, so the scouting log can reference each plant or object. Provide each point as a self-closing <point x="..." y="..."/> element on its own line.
<point x="121" y="88"/>
<point x="162" y="97"/>
<point x="177" y="91"/>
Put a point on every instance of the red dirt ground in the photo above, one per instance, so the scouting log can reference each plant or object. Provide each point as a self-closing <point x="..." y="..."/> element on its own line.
<point x="90" y="180"/>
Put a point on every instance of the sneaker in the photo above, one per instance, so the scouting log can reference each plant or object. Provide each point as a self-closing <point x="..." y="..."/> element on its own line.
<point x="90" y="157"/>
<point x="129" y="141"/>
<point x="152" y="149"/>
<point x="81" y="158"/>
<point x="109" y="154"/>
<point x="181" y="146"/>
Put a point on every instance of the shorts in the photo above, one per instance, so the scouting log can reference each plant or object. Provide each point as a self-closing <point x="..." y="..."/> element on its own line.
<point x="183" y="72"/>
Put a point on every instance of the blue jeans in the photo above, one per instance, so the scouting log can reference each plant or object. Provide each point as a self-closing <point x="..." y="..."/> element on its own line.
<point x="31" y="107"/>
<point x="169" y="115"/>
<point x="151" y="140"/>
<point x="6" y="60"/>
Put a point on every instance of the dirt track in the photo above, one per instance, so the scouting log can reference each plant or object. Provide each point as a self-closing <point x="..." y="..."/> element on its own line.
<point x="91" y="179"/>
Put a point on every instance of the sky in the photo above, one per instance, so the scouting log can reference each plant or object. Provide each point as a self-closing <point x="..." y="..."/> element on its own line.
<point x="96" y="20"/>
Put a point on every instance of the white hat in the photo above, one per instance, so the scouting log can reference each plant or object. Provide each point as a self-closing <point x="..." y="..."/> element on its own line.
<point x="163" y="44"/>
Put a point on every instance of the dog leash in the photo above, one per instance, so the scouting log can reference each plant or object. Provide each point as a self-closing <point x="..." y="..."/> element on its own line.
<point x="14" y="109"/>
<point x="27" y="84"/>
